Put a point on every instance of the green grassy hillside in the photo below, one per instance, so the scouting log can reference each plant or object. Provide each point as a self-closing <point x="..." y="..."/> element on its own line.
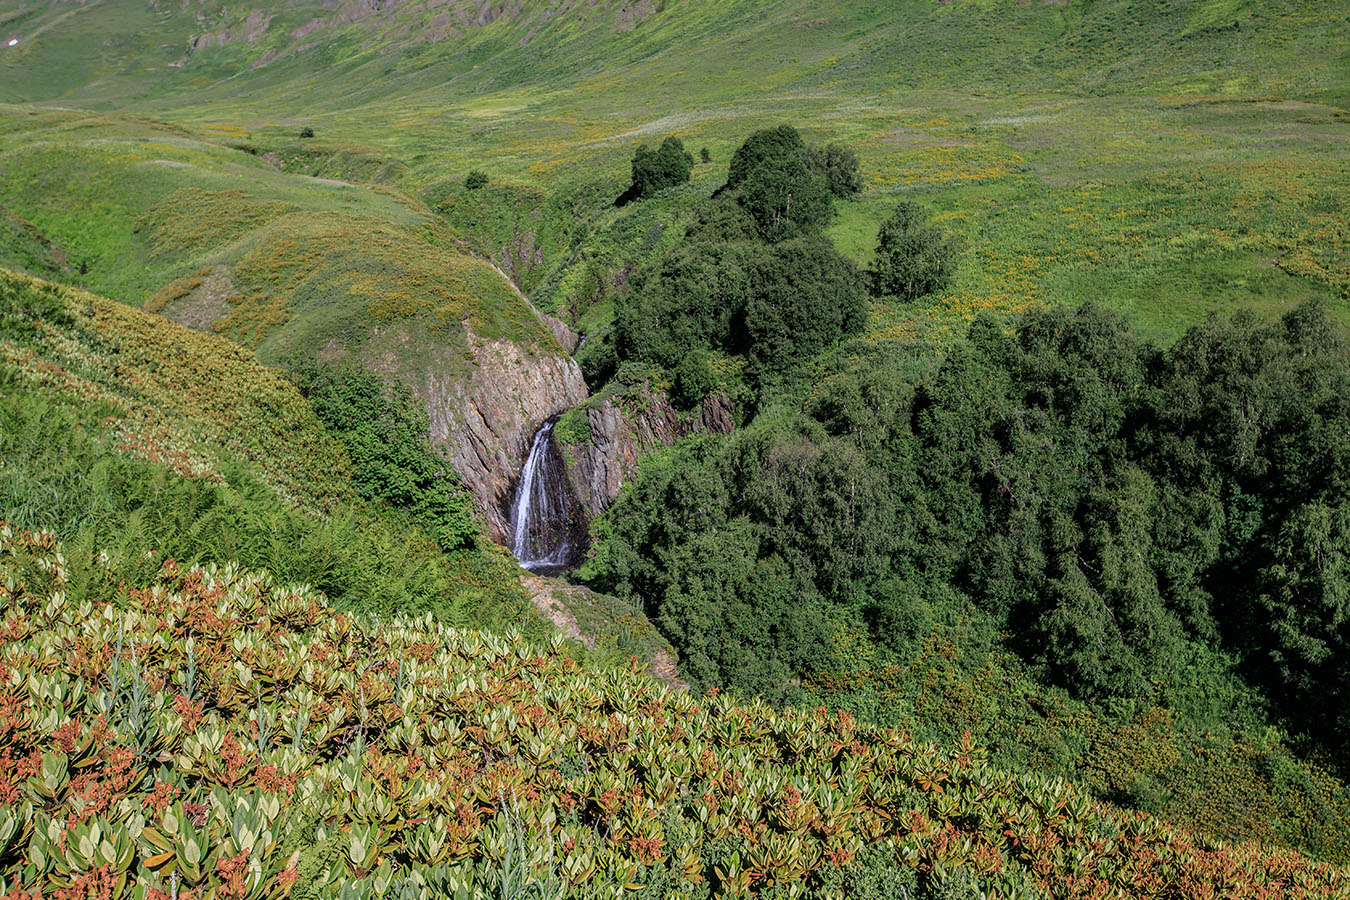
<point x="1170" y="159"/>
<point x="127" y="50"/>
<point x="222" y="735"/>
<point x="221" y="239"/>
<point x="124" y="433"/>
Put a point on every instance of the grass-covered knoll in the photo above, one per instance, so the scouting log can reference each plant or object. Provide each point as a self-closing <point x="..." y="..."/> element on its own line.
<point x="144" y="212"/>
<point x="27" y="249"/>
<point x="178" y="395"/>
<point x="216" y="733"/>
<point x="124" y="433"/>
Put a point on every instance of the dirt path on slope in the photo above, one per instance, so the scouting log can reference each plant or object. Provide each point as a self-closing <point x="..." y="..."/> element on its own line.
<point x="543" y="594"/>
<point x="556" y="600"/>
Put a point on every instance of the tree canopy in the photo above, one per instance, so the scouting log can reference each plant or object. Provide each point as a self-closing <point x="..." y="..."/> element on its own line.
<point x="914" y="257"/>
<point x="1112" y="505"/>
<point x="754" y="276"/>
<point x="655" y="170"/>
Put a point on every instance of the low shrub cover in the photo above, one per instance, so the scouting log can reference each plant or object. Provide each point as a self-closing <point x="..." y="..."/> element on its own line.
<point x="220" y="735"/>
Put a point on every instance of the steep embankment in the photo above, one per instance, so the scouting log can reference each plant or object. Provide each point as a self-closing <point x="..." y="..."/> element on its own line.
<point x="122" y="431"/>
<point x="297" y="268"/>
<point x="250" y="742"/>
<point x="487" y="419"/>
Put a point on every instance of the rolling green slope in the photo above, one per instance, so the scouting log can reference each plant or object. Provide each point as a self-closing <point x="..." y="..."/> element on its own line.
<point x="224" y="239"/>
<point x="123" y="433"/>
<point x="1171" y="159"/>
<point x="691" y="51"/>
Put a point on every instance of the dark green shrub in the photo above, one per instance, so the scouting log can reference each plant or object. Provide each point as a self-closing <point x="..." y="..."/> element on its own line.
<point x="475" y="180"/>
<point x="656" y="170"/>
<point x="598" y="358"/>
<point x="768" y="145"/>
<point x="307" y="132"/>
<point x="914" y="257"/>
<point x="839" y="165"/>
<point x="719" y="221"/>
<point x="386" y="434"/>
<point x="805" y="296"/>
<point x="784" y="184"/>
<point x="687" y="300"/>
<point x="694" y="380"/>
<point x="786" y="198"/>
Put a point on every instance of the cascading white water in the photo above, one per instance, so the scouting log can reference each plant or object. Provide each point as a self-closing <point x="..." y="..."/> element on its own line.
<point x="542" y="530"/>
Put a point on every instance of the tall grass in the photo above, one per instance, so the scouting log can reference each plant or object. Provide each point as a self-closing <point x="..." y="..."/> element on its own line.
<point x="60" y="472"/>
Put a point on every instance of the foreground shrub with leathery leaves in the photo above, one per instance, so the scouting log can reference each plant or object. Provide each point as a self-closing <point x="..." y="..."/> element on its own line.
<point x="219" y="735"/>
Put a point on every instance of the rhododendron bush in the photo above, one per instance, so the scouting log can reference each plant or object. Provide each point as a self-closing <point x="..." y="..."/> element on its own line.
<point x="217" y="734"/>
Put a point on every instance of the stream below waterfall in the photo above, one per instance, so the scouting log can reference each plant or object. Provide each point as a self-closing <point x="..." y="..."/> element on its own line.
<point x="548" y="532"/>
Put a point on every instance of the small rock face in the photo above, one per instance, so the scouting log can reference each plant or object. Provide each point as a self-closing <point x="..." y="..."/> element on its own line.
<point x="486" y="422"/>
<point x="622" y="431"/>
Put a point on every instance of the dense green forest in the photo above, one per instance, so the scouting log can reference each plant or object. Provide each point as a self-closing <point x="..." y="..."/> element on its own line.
<point x="1133" y="522"/>
<point x="1113" y="521"/>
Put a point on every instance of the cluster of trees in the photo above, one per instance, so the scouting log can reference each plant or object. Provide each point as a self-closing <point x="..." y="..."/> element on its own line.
<point x="1111" y="505"/>
<point x="787" y="186"/>
<point x="754" y="275"/>
<point x="914" y="257"/>
<point x="655" y="170"/>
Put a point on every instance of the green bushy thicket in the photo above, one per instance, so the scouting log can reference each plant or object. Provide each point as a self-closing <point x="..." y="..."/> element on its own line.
<point x="654" y="170"/>
<point x="386" y="435"/>
<point x="914" y="257"/>
<point x="1120" y="512"/>
<point x="754" y="275"/>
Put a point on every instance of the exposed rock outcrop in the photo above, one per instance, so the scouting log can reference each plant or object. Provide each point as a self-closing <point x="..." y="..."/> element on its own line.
<point x="486" y="421"/>
<point x="602" y="454"/>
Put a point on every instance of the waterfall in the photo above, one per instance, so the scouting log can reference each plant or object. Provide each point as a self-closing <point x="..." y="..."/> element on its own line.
<point x="545" y="536"/>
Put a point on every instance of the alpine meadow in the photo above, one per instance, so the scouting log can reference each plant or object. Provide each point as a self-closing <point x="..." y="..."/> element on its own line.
<point x="664" y="449"/>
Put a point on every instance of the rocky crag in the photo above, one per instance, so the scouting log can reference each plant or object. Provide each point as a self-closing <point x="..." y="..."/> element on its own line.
<point x="603" y="441"/>
<point x="486" y="421"/>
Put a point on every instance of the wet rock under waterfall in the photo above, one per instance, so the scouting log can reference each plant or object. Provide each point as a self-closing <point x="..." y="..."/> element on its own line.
<point x="548" y="525"/>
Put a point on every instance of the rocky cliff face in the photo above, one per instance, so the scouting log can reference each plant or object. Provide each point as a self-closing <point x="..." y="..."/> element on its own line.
<point x="624" y="429"/>
<point x="486" y="422"/>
